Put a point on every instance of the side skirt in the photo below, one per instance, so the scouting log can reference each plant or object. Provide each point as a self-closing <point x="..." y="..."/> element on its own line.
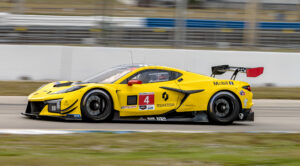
<point x="71" y="117"/>
<point x="172" y="116"/>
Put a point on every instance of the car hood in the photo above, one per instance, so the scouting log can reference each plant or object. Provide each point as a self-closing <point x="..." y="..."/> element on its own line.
<point x="50" y="88"/>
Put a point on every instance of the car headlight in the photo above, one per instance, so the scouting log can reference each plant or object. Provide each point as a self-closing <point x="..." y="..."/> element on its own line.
<point x="73" y="88"/>
<point x="54" y="105"/>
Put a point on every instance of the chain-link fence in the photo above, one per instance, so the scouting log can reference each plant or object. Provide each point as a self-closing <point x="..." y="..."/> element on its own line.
<point x="158" y="23"/>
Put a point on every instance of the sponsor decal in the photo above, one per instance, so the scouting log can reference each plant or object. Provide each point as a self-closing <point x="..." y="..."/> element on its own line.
<point x="150" y="118"/>
<point x="165" y="96"/>
<point x="142" y="107"/>
<point x="128" y="107"/>
<point x="189" y="105"/>
<point x="150" y="107"/>
<point x="165" y="105"/>
<point x="245" y="102"/>
<point x="161" y="118"/>
<point x="74" y="116"/>
<point x="242" y="93"/>
<point x="146" y="107"/>
<point x="223" y="83"/>
<point x="146" y="101"/>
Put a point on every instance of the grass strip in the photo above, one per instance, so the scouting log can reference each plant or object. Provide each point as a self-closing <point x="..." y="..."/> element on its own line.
<point x="116" y="8"/>
<point x="276" y="92"/>
<point x="145" y="149"/>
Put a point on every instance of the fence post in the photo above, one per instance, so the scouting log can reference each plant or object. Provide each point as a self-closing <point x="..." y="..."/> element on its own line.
<point x="19" y="7"/>
<point x="250" y="33"/>
<point x="298" y="10"/>
<point x="104" y="10"/>
<point x="180" y="24"/>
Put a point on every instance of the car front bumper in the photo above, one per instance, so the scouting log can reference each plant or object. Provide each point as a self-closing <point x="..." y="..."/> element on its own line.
<point x="40" y="109"/>
<point x="70" y="117"/>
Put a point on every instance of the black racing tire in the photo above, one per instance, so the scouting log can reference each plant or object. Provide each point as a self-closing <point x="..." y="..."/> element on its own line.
<point x="97" y="106"/>
<point x="223" y="108"/>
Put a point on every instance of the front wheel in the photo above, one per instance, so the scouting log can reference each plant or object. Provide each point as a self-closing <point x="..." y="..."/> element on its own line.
<point x="223" y="108"/>
<point x="96" y="105"/>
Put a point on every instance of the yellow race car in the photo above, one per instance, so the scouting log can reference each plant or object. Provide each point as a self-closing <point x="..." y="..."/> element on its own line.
<point x="145" y="92"/>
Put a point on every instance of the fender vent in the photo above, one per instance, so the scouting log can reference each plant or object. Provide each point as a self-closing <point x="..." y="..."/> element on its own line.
<point x="63" y="84"/>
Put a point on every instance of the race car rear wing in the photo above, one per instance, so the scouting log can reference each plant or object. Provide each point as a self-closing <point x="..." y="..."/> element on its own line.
<point x="251" y="72"/>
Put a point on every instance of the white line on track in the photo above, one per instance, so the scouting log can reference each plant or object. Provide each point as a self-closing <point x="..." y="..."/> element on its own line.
<point x="58" y="132"/>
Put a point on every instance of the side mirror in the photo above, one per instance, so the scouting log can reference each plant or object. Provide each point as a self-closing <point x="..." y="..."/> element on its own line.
<point x="131" y="82"/>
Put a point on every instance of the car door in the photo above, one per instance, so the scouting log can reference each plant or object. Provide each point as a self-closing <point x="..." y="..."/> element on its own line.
<point x="148" y="98"/>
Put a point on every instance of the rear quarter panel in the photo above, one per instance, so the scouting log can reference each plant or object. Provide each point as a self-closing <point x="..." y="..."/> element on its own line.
<point x="199" y="101"/>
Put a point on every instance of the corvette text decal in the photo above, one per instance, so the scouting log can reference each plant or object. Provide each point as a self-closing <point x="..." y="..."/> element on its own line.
<point x="146" y="101"/>
<point x="223" y="83"/>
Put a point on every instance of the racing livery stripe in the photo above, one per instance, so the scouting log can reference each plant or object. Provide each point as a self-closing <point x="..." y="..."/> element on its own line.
<point x="186" y="93"/>
<point x="66" y="110"/>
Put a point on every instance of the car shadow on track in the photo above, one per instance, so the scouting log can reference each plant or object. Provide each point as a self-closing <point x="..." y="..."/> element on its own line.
<point x="53" y="119"/>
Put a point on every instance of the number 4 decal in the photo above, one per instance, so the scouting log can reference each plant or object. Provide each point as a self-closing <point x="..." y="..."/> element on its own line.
<point x="146" y="101"/>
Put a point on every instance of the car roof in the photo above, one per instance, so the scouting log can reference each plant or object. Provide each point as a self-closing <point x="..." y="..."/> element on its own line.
<point x="148" y="66"/>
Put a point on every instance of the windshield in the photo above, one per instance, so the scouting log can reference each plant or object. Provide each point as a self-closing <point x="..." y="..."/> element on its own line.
<point x="111" y="75"/>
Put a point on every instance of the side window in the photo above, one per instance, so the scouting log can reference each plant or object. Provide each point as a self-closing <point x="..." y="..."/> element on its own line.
<point x="152" y="76"/>
<point x="175" y="75"/>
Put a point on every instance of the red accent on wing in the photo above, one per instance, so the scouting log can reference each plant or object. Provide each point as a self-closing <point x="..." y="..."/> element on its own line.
<point x="255" y="72"/>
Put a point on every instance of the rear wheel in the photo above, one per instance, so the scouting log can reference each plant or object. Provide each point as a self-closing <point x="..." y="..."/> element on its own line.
<point x="223" y="108"/>
<point x="96" y="105"/>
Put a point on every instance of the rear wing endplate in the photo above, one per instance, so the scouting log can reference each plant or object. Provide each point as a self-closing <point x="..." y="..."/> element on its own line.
<point x="251" y="72"/>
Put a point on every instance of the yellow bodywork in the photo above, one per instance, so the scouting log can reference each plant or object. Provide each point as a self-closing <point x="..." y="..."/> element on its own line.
<point x="119" y="92"/>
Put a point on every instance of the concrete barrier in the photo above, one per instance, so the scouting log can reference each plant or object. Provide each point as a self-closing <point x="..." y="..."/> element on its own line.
<point x="77" y="63"/>
<point x="13" y="100"/>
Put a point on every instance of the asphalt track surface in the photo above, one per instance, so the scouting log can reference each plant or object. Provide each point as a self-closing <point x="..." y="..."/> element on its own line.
<point x="270" y="115"/>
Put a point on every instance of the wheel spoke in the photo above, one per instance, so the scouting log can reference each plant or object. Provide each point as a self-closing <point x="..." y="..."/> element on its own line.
<point x="222" y="108"/>
<point x="101" y="106"/>
<point x="93" y="103"/>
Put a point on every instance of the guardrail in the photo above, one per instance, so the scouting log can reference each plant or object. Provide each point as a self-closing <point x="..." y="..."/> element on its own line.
<point x="7" y="19"/>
